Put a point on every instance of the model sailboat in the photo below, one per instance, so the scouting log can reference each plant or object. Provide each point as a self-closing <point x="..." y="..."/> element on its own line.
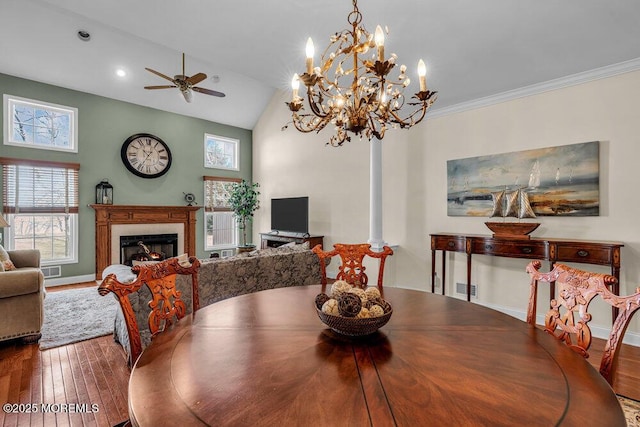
<point x="512" y="204"/>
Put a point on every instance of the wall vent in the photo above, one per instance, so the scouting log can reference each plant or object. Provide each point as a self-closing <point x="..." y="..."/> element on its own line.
<point x="225" y="253"/>
<point x="461" y="288"/>
<point x="51" y="271"/>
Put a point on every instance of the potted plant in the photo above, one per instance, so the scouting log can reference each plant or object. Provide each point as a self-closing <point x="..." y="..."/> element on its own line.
<point x="244" y="202"/>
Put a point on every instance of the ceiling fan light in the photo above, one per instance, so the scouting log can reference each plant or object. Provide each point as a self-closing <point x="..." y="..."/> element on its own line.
<point x="188" y="95"/>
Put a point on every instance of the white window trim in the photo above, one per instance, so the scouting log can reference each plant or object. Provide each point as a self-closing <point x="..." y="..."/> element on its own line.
<point x="8" y="100"/>
<point x="219" y="247"/>
<point x="236" y="143"/>
<point x="73" y="259"/>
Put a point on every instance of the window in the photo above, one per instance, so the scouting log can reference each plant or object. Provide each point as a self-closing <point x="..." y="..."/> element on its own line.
<point x="221" y="228"/>
<point x="37" y="124"/>
<point x="40" y="202"/>
<point x="220" y="152"/>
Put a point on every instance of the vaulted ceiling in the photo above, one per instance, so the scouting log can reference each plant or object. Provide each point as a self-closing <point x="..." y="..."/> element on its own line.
<point x="473" y="49"/>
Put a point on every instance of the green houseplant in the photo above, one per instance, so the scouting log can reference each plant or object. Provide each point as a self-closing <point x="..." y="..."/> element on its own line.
<point x="244" y="202"/>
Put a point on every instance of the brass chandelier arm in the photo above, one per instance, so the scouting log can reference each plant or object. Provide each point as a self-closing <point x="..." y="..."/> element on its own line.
<point x="409" y="120"/>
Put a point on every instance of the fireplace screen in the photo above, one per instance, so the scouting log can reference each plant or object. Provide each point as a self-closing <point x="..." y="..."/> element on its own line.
<point x="149" y="247"/>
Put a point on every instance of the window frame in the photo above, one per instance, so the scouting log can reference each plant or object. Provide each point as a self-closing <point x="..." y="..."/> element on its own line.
<point x="73" y="239"/>
<point x="8" y="103"/>
<point x="217" y="138"/>
<point x="209" y="210"/>
<point x="11" y="205"/>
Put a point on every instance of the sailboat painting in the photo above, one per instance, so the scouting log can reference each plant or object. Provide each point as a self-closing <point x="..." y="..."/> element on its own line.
<point x="554" y="181"/>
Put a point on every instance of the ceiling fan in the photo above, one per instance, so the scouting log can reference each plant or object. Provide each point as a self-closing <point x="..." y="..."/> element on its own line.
<point x="185" y="83"/>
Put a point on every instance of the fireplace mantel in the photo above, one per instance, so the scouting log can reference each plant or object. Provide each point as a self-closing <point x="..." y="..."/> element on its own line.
<point x="108" y="215"/>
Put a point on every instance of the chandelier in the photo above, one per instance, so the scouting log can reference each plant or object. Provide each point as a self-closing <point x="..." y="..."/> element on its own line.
<point x="353" y="93"/>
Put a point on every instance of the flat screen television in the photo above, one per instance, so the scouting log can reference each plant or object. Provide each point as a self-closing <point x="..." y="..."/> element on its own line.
<point x="290" y="214"/>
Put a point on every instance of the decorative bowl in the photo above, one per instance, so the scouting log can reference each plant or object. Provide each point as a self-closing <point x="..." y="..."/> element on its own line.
<point x="353" y="326"/>
<point x="512" y="230"/>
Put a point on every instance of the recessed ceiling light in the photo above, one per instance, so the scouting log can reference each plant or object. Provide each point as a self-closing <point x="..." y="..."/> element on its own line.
<point x="120" y="72"/>
<point x="84" y="35"/>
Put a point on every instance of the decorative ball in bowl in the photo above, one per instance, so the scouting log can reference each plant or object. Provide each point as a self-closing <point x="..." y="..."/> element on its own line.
<point x="352" y="311"/>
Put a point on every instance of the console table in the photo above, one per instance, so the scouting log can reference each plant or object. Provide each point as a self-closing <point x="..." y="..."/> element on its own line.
<point x="273" y="240"/>
<point x="552" y="250"/>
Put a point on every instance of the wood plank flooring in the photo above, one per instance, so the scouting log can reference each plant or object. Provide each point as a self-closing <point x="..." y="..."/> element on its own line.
<point x="90" y="373"/>
<point x="94" y="372"/>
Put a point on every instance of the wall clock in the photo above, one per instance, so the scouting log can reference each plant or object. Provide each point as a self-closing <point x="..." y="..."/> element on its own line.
<point x="146" y="155"/>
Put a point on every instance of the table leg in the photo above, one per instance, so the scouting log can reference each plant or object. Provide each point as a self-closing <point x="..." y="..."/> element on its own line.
<point x="433" y="271"/>
<point x="615" y="272"/>
<point x="444" y="270"/>
<point x="469" y="277"/>
<point x="552" y="285"/>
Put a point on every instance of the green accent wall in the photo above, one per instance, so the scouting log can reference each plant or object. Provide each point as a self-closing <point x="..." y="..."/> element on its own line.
<point x="103" y="125"/>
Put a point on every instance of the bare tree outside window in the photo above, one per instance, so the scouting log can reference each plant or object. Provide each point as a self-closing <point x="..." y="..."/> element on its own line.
<point x="37" y="124"/>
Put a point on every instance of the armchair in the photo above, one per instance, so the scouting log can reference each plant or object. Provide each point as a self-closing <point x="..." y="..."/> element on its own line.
<point x="22" y="297"/>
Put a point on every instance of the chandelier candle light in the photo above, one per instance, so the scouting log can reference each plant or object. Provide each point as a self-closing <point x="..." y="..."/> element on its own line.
<point x="370" y="102"/>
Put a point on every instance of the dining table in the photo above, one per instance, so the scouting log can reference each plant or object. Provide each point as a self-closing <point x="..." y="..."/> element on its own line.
<point x="266" y="359"/>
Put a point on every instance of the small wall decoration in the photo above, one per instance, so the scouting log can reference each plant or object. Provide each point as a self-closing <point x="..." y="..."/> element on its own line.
<point x="104" y="193"/>
<point x="560" y="181"/>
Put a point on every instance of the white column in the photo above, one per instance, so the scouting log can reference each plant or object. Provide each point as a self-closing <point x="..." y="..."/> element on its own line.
<point x="375" y="195"/>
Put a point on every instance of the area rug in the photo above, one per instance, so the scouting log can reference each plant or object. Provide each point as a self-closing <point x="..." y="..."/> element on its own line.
<point x="631" y="410"/>
<point x="76" y="315"/>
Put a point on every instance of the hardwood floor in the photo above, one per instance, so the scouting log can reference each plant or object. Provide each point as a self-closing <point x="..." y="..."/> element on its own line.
<point x="627" y="379"/>
<point x="92" y="372"/>
<point x="95" y="372"/>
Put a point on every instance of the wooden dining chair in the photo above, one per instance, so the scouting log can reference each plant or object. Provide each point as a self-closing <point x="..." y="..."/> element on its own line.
<point x="576" y="289"/>
<point x="166" y="303"/>
<point x="352" y="270"/>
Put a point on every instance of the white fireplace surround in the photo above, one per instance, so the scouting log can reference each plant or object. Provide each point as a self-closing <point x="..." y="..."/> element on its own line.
<point x="118" y="230"/>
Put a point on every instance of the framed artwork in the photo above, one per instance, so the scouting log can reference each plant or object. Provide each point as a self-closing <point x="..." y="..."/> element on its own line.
<point x="559" y="181"/>
<point x="221" y="152"/>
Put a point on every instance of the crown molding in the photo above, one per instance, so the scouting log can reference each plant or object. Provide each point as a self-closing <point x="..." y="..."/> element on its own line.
<point x="555" y="84"/>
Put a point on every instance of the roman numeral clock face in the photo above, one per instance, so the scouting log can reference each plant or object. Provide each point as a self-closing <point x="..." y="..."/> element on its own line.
<point x="146" y="155"/>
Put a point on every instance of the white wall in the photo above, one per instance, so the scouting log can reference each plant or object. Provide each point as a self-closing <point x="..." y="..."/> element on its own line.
<point x="289" y="163"/>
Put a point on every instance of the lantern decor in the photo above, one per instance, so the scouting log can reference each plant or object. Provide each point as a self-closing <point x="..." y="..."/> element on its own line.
<point x="104" y="193"/>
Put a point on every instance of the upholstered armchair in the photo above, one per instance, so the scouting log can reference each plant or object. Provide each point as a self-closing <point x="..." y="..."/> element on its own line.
<point x="22" y="297"/>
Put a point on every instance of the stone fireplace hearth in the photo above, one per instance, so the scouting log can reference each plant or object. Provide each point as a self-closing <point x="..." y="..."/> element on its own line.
<point x="113" y="221"/>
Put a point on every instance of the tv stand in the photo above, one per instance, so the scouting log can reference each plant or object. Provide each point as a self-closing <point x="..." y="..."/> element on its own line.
<point x="274" y="239"/>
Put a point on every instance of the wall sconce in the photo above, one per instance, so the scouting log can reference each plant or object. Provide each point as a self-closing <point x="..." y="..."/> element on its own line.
<point x="104" y="193"/>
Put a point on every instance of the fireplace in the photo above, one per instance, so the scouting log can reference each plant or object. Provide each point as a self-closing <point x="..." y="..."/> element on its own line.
<point x="133" y="247"/>
<point x="113" y="221"/>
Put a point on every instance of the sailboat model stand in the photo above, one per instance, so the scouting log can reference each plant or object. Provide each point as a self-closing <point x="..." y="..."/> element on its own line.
<point x="512" y="204"/>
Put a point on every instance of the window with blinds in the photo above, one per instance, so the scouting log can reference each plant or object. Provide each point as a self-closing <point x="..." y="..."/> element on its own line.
<point x="40" y="202"/>
<point x="221" y="229"/>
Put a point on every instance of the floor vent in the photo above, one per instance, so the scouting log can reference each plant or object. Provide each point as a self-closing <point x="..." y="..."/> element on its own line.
<point x="51" y="271"/>
<point x="225" y="253"/>
<point x="461" y="288"/>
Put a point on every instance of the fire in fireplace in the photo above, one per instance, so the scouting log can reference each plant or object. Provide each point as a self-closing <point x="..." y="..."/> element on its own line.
<point x="147" y="247"/>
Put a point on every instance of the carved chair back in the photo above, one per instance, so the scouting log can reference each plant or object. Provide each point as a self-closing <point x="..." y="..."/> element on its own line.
<point x="352" y="269"/>
<point x="568" y="318"/>
<point x="166" y="303"/>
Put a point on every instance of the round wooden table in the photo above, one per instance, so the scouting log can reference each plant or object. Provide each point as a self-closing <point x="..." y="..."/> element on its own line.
<point x="265" y="359"/>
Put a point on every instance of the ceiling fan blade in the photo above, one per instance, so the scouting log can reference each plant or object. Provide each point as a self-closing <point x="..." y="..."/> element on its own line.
<point x="208" y="91"/>
<point x="196" y="78"/>
<point x="157" y="73"/>
<point x="160" y="87"/>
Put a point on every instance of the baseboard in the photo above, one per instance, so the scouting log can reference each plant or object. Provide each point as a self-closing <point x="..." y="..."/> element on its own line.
<point x="59" y="281"/>
<point x="602" y="332"/>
